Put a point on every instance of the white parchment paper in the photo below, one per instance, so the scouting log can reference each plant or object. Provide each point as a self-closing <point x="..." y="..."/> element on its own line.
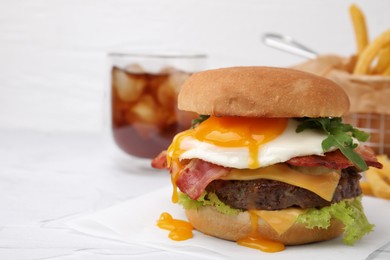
<point x="134" y="221"/>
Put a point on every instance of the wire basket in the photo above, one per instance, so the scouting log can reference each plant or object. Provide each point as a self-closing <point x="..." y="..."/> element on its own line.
<point x="369" y="97"/>
<point x="377" y="125"/>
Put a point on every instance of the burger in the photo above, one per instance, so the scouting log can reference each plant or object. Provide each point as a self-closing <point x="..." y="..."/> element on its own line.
<point x="269" y="161"/>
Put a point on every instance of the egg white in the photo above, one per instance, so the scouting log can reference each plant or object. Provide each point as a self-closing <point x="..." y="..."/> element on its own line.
<point x="286" y="146"/>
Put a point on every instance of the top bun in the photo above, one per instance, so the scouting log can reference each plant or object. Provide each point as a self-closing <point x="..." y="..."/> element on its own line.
<point x="262" y="92"/>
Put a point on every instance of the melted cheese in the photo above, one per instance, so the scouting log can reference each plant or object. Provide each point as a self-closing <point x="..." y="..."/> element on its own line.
<point x="280" y="220"/>
<point x="322" y="185"/>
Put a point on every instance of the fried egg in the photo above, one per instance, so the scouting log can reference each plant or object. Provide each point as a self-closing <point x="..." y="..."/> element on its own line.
<point x="246" y="143"/>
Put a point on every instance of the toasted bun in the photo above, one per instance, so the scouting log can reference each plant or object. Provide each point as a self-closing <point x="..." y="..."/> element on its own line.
<point x="211" y="222"/>
<point x="262" y="92"/>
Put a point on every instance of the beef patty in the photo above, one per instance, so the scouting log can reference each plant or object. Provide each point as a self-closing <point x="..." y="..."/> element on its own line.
<point x="274" y="195"/>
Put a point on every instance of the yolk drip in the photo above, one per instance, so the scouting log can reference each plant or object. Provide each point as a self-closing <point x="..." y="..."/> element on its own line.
<point x="174" y="150"/>
<point x="257" y="242"/>
<point x="173" y="161"/>
<point x="174" y="175"/>
<point x="180" y="229"/>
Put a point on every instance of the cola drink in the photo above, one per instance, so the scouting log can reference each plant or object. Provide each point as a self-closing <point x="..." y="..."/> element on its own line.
<point x="145" y="117"/>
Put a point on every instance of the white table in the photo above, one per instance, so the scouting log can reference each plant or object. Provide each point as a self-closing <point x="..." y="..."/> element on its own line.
<point x="46" y="179"/>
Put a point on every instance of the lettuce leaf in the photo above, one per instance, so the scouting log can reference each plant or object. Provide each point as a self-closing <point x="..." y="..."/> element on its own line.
<point x="207" y="199"/>
<point x="349" y="212"/>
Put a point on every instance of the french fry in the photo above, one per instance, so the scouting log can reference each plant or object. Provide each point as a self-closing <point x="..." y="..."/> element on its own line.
<point x="387" y="71"/>
<point x="360" y="28"/>
<point x="369" y="53"/>
<point x="379" y="187"/>
<point x="385" y="171"/>
<point x="366" y="188"/>
<point x="383" y="61"/>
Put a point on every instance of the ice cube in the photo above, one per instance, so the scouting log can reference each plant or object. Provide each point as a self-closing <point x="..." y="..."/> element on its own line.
<point x="146" y="109"/>
<point x="129" y="87"/>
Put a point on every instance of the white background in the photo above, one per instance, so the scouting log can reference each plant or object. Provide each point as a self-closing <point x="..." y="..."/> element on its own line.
<point x="53" y="67"/>
<point x="53" y="77"/>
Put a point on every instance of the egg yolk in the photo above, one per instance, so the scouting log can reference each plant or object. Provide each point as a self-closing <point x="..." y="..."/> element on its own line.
<point x="233" y="132"/>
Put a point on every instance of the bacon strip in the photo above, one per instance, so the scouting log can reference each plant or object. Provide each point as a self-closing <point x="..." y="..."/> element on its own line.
<point x="160" y="162"/>
<point x="368" y="156"/>
<point x="336" y="160"/>
<point x="194" y="178"/>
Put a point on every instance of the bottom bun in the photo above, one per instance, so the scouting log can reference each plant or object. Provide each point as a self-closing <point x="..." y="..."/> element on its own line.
<point x="233" y="227"/>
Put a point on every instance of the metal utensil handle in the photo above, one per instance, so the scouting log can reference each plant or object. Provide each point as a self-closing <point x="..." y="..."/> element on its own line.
<point x="288" y="44"/>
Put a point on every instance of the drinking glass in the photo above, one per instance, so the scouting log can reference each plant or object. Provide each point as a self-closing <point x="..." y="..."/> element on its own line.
<point x="143" y="99"/>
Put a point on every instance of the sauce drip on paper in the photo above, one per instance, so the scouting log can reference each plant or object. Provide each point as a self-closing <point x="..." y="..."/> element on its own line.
<point x="179" y="229"/>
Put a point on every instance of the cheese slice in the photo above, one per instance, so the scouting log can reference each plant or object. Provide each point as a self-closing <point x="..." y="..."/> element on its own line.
<point x="323" y="185"/>
<point x="280" y="220"/>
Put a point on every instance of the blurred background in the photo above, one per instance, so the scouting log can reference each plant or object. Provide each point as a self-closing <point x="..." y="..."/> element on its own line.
<point x="53" y="63"/>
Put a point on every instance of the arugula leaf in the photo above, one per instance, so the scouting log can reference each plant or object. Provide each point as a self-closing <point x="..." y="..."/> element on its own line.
<point x="197" y="121"/>
<point x="339" y="135"/>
